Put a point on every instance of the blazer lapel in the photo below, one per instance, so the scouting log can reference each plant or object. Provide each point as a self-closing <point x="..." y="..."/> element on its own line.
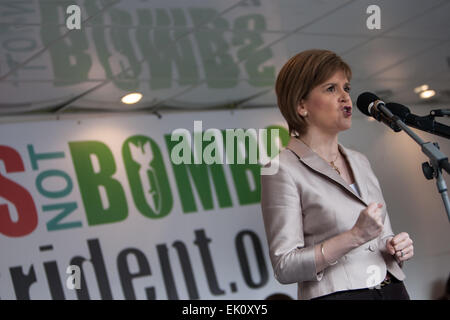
<point x="318" y="164"/>
<point x="358" y="173"/>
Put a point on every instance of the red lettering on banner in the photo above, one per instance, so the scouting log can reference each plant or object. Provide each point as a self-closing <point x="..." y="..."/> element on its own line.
<point x="26" y="210"/>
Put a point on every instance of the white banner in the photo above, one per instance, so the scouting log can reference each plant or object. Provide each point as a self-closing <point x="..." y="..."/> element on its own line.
<point x="96" y="209"/>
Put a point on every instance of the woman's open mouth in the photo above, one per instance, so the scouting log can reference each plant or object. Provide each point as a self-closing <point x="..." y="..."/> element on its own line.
<point x="347" y="111"/>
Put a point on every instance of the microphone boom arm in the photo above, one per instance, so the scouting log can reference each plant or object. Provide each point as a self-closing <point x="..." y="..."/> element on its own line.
<point x="438" y="160"/>
<point x="428" y="124"/>
<point x="440" y="113"/>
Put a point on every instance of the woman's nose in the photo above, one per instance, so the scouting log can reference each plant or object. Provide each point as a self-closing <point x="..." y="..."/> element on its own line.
<point x="345" y="96"/>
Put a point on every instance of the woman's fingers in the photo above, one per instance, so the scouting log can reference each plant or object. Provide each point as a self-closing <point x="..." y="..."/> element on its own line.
<point x="403" y="244"/>
<point x="399" y="238"/>
<point x="408" y="253"/>
<point x="403" y="247"/>
<point x="390" y="248"/>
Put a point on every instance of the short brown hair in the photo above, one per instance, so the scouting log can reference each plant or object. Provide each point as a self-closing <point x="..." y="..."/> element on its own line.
<point x="301" y="74"/>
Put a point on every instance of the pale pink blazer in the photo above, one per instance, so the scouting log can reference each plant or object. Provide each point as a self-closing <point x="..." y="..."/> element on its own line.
<point x="307" y="202"/>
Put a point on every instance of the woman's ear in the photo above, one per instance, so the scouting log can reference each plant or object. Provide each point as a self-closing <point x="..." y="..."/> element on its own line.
<point x="301" y="109"/>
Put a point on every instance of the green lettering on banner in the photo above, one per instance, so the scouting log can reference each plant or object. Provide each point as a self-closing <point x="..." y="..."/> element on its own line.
<point x="66" y="209"/>
<point x="246" y="175"/>
<point x="30" y="44"/>
<point x="53" y="173"/>
<point x="91" y="180"/>
<point x="159" y="46"/>
<point x="18" y="7"/>
<point x="220" y="68"/>
<point x="253" y="40"/>
<point x="147" y="177"/>
<point x="270" y="143"/>
<point x="71" y="62"/>
<point x="122" y="43"/>
<point x="35" y="157"/>
<point x="121" y="40"/>
<point x="200" y="175"/>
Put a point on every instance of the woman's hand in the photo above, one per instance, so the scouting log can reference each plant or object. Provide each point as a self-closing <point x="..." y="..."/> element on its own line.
<point x="369" y="224"/>
<point x="400" y="246"/>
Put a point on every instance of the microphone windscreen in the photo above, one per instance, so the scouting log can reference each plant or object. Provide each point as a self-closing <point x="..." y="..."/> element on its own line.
<point x="399" y="110"/>
<point x="363" y="101"/>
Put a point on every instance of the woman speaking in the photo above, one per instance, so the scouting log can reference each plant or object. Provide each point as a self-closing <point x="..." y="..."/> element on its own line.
<point x="324" y="214"/>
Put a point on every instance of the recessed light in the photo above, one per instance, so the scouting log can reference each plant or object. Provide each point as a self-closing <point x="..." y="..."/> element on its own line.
<point x="132" y="98"/>
<point x="421" y="88"/>
<point x="427" y="94"/>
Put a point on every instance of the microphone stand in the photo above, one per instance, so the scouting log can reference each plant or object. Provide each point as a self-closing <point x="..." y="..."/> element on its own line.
<point x="440" y="113"/>
<point x="428" y="124"/>
<point x="438" y="160"/>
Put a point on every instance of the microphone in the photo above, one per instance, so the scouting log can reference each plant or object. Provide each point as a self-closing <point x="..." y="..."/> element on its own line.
<point x="391" y="114"/>
<point x="369" y="104"/>
<point x="426" y="123"/>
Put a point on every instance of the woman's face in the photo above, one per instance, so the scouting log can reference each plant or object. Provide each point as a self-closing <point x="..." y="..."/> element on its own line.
<point x="329" y="106"/>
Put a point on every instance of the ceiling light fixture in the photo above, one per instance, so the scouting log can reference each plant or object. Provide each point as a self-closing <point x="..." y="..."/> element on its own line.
<point x="427" y="94"/>
<point x="131" y="98"/>
<point x="421" y="88"/>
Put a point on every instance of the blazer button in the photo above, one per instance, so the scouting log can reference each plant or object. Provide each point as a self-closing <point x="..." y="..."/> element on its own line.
<point x="372" y="247"/>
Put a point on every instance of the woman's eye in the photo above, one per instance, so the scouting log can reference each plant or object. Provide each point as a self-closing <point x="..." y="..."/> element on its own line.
<point x="332" y="89"/>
